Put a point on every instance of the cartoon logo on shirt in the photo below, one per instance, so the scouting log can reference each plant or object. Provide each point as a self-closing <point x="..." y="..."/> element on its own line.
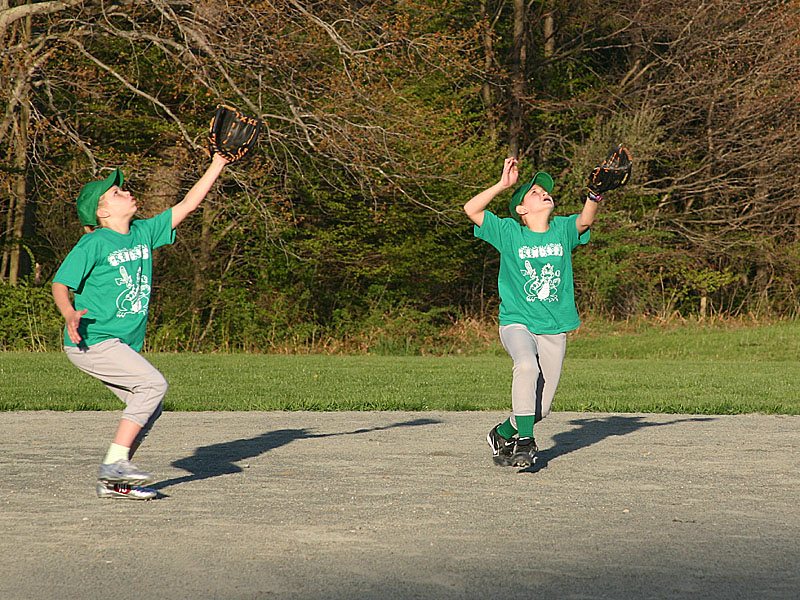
<point x="542" y="286"/>
<point x="135" y="298"/>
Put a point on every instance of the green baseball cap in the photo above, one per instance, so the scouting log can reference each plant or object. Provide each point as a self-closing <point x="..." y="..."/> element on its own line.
<point x="542" y="178"/>
<point x="90" y="195"/>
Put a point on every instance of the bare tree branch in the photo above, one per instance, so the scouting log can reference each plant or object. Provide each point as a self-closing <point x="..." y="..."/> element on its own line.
<point x="187" y="138"/>
<point x="15" y="13"/>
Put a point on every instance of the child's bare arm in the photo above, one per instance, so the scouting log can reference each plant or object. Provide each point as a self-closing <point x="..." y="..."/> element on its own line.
<point x="71" y="316"/>
<point x="586" y="218"/>
<point x="476" y="205"/>
<point x="199" y="191"/>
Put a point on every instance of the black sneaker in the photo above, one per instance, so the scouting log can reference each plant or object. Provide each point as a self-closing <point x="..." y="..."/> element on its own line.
<point x="524" y="452"/>
<point x="501" y="447"/>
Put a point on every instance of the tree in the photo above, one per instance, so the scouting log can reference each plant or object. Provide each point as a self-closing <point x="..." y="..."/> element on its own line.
<point x="723" y="78"/>
<point x="380" y="120"/>
<point x="18" y="67"/>
<point x="359" y="119"/>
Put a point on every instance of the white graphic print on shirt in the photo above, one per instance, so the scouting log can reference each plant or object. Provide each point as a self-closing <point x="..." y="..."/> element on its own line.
<point x="135" y="298"/>
<point x="542" y="286"/>
<point x="117" y="257"/>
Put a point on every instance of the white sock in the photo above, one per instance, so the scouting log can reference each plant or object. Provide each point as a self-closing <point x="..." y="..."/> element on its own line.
<point x="115" y="453"/>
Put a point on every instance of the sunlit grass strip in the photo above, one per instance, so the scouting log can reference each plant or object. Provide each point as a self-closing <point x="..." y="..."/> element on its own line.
<point x="36" y="381"/>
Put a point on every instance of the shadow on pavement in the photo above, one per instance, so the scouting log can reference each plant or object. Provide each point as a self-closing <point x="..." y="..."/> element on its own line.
<point x="220" y="459"/>
<point x="590" y="431"/>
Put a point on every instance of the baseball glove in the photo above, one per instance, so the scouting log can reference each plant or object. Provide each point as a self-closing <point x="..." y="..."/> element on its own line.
<point x="612" y="173"/>
<point x="232" y="133"/>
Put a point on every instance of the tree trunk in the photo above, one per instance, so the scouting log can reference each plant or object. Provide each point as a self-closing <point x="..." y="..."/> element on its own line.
<point x="165" y="179"/>
<point x="9" y="222"/>
<point x="19" y="198"/>
<point x="545" y="142"/>
<point x="517" y="79"/>
<point x="204" y="251"/>
<point x="548" y="31"/>
<point x="488" y="63"/>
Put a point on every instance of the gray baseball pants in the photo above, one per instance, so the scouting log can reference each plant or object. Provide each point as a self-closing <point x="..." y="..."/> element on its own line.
<point x="128" y="375"/>
<point x="537" y="369"/>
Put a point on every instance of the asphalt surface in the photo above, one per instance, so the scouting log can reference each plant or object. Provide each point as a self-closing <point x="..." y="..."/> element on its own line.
<point x="398" y="505"/>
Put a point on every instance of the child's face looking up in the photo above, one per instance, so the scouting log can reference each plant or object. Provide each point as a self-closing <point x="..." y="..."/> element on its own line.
<point x="538" y="200"/>
<point x="116" y="203"/>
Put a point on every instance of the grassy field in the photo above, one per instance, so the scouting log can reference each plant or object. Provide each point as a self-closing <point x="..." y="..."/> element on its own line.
<point x="693" y="369"/>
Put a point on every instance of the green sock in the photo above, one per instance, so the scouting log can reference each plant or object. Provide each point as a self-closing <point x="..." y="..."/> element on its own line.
<point x="525" y="425"/>
<point x="115" y="453"/>
<point x="507" y="430"/>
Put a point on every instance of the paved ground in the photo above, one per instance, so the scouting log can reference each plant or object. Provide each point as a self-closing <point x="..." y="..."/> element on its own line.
<point x="396" y="505"/>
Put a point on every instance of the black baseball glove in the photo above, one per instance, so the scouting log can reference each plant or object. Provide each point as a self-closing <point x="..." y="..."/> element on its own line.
<point x="232" y="133"/>
<point x="612" y="173"/>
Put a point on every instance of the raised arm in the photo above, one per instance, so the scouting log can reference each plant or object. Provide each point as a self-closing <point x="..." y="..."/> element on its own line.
<point x="477" y="204"/>
<point x="586" y="218"/>
<point x="199" y="191"/>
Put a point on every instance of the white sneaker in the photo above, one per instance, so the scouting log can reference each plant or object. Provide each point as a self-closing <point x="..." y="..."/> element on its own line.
<point x="123" y="490"/>
<point x="123" y="471"/>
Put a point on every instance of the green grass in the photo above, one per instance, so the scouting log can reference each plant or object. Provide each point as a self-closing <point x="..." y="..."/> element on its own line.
<point x="693" y="341"/>
<point x="691" y="370"/>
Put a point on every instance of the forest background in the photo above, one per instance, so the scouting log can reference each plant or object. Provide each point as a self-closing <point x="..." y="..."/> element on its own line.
<point x="344" y="231"/>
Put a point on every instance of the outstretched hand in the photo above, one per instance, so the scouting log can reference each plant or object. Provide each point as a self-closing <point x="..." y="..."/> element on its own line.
<point x="510" y="172"/>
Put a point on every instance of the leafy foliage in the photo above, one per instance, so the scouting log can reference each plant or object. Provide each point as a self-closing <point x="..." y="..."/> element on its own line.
<point x="30" y="320"/>
<point x="381" y="120"/>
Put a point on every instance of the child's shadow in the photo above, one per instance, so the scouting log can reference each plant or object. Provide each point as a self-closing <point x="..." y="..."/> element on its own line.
<point x="590" y="431"/>
<point x="220" y="459"/>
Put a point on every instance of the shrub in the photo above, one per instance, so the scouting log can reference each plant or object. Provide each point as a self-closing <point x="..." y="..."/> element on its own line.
<point x="29" y="319"/>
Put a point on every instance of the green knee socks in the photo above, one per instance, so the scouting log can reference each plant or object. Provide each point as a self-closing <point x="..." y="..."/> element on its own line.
<point x="507" y="430"/>
<point x="525" y="425"/>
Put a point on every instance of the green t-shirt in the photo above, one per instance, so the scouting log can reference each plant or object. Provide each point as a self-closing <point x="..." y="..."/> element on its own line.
<point x="535" y="278"/>
<point x="111" y="274"/>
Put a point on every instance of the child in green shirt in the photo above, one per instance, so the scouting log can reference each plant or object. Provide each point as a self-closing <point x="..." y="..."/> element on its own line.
<point x="109" y="272"/>
<point x="537" y="299"/>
